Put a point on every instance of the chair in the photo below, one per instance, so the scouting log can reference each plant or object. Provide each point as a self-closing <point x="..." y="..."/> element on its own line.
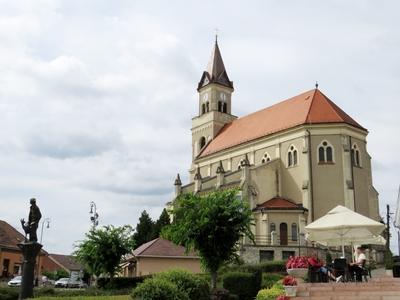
<point x="314" y="275"/>
<point x="340" y="268"/>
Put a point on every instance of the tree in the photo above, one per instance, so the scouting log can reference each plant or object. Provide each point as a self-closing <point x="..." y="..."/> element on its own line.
<point x="212" y="225"/>
<point x="144" y="229"/>
<point x="162" y="221"/>
<point x="103" y="248"/>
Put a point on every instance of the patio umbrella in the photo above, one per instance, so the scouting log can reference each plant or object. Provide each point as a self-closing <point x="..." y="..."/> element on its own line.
<point x="342" y="226"/>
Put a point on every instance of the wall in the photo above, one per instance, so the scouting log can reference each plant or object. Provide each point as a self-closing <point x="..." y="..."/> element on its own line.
<point x="151" y="265"/>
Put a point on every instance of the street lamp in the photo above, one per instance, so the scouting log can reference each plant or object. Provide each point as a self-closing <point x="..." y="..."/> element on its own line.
<point x="47" y="222"/>
<point x="94" y="216"/>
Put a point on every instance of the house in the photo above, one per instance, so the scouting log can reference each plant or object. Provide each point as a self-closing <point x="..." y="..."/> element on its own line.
<point x="10" y="254"/>
<point x="54" y="262"/>
<point x="292" y="161"/>
<point x="159" y="255"/>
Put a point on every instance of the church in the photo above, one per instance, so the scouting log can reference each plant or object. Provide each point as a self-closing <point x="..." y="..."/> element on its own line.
<point x="293" y="161"/>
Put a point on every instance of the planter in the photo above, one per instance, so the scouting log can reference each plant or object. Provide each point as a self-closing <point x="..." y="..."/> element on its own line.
<point x="389" y="273"/>
<point x="290" y="290"/>
<point x="298" y="272"/>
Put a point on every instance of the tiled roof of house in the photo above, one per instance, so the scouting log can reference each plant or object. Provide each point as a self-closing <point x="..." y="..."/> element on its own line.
<point x="311" y="107"/>
<point x="162" y="248"/>
<point x="9" y="236"/>
<point x="279" y="203"/>
<point x="66" y="261"/>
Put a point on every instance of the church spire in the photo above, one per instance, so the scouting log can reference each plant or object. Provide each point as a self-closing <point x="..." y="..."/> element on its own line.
<point x="216" y="72"/>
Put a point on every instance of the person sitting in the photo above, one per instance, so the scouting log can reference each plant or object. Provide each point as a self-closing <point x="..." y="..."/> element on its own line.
<point x="357" y="266"/>
<point x="320" y="267"/>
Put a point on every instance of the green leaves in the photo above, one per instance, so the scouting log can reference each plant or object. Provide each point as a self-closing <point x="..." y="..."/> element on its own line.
<point x="103" y="248"/>
<point x="211" y="224"/>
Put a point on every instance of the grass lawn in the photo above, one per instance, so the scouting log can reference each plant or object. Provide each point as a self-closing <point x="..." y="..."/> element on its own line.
<point x="126" y="297"/>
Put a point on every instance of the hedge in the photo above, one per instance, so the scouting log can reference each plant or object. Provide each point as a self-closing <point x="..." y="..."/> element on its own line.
<point x="158" y="289"/>
<point x="276" y="266"/>
<point x="244" y="285"/>
<point x="118" y="283"/>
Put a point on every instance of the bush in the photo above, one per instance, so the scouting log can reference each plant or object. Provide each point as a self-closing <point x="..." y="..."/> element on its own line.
<point x="118" y="283"/>
<point x="276" y="266"/>
<point x="244" y="285"/>
<point x="268" y="280"/>
<point x="222" y="294"/>
<point x="196" y="287"/>
<point x="7" y="293"/>
<point x="158" y="289"/>
<point x="270" y="294"/>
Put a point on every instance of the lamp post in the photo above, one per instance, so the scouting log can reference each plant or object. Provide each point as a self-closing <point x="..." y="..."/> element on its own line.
<point x="47" y="222"/>
<point x="94" y="216"/>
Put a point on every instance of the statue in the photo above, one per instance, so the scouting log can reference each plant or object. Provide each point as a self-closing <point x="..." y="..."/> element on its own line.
<point x="33" y="221"/>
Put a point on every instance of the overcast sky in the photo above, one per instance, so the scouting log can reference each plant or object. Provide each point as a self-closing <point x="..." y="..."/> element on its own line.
<point x="96" y="97"/>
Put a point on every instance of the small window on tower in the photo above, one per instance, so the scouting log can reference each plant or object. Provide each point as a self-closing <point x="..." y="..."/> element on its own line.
<point x="207" y="106"/>
<point x="203" y="109"/>
<point x="292" y="158"/>
<point x="325" y="153"/>
<point x="220" y="104"/>
<point x="224" y="108"/>
<point x="202" y="142"/>
<point x="355" y="155"/>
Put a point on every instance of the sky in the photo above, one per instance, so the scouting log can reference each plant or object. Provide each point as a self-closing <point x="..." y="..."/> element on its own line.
<point x="96" y="97"/>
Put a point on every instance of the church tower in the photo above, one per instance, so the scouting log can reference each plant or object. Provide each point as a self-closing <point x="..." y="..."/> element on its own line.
<point x="214" y="107"/>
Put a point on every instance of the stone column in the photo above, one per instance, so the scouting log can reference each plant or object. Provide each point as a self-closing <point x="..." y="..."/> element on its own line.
<point x="30" y="250"/>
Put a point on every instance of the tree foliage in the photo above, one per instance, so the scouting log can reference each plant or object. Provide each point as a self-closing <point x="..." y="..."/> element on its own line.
<point x="162" y="222"/>
<point x="212" y="225"/>
<point x="102" y="249"/>
<point x="144" y="229"/>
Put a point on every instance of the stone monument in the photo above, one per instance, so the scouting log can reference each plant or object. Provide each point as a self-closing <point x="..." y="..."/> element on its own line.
<point x="30" y="249"/>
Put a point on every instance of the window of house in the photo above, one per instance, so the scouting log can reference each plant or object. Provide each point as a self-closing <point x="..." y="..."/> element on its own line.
<point x="266" y="255"/>
<point x="292" y="159"/>
<point x="265" y="158"/>
<point x="355" y="156"/>
<point x="287" y="254"/>
<point x="203" y="108"/>
<point x="325" y="153"/>
<point x="294" y="232"/>
<point x="202" y="142"/>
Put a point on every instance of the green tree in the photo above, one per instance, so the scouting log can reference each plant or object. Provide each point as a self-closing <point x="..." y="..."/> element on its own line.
<point x="212" y="225"/>
<point x="102" y="249"/>
<point x="144" y="229"/>
<point x="162" y="221"/>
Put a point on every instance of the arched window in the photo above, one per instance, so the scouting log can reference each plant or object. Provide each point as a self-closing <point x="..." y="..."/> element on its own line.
<point x="224" y="107"/>
<point x="207" y="106"/>
<point x="203" y="108"/>
<point x="272" y="227"/>
<point x="325" y="152"/>
<point x="283" y="234"/>
<point x="220" y="105"/>
<point x="266" y="158"/>
<point x="355" y="155"/>
<point x="294" y="232"/>
<point x="202" y="142"/>
<point x="292" y="159"/>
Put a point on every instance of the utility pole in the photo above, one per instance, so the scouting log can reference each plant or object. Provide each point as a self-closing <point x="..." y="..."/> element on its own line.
<point x="387" y="227"/>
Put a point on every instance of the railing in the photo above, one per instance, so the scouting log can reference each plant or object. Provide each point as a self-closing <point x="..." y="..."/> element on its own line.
<point x="267" y="240"/>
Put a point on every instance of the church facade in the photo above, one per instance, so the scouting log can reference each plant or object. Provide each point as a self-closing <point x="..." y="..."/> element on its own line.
<point x="293" y="161"/>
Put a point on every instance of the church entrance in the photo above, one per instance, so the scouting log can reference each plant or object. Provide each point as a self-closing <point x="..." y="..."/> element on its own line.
<point x="283" y="233"/>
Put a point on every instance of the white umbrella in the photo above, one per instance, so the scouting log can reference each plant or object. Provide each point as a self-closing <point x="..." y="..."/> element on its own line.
<point x="342" y="226"/>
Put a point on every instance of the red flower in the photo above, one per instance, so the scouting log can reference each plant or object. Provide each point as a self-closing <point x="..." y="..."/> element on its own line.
<point x="289" y="280"/>
<point x="295" y="262"/>
<point x="283" y="297"/>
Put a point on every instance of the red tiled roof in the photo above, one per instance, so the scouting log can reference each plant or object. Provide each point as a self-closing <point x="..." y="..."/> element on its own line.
<point x="69" y="262"/>
<point x="278" y="203"/>
<point x="161" y="247"/>
<point x="311" y="107"/>
<point x="9" y="236"/>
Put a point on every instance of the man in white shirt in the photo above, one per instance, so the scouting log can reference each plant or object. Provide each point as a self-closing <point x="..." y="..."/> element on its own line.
<point x="357" y="266"/>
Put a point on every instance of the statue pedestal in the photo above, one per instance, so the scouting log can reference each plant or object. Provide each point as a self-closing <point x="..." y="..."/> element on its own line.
<point x="30" y="250"/>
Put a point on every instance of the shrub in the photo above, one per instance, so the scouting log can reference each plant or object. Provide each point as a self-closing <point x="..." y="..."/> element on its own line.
<point x="222" y="294"/>
<point x="7" y="293"/>
<point x="196" y="287"/>
<point x="268" y="280"/>
<point x="276" y="266"/>
<point x="158" y="289"/>
<point x="118" y="283"/>
<point x="270" y="294"/>
<point x="244" y="285"/>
